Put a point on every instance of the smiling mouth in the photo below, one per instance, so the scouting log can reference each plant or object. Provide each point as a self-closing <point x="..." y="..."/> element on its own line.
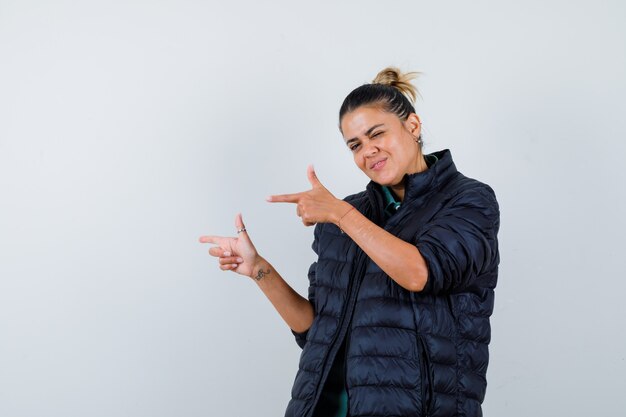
<point x="378" y="165"/>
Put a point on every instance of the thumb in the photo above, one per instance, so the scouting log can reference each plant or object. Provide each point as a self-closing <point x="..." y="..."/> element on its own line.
<point x="243" y="238"/>
<point x="310" y="172"/>
<point x="241" y="228"/>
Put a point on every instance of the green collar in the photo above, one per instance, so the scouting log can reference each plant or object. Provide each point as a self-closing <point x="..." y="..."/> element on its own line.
<point x="391" y="203"/>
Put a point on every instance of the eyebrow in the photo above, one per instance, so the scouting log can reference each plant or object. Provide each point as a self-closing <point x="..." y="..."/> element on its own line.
<point x="367" y="133"/>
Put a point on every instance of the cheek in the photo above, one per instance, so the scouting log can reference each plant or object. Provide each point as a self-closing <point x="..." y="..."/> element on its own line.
<point x="403" y="147"/>
<point x="358" y="160"/>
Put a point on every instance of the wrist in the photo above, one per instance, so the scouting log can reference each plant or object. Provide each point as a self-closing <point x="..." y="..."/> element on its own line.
<point x="347" y="209"/>
<point x="342" y="209"/>
<point x="260" y="269"/>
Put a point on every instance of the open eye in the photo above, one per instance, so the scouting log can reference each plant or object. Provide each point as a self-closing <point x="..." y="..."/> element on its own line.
<point x="354" y="146"/>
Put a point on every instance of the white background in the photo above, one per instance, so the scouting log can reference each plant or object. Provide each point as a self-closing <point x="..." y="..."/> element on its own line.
<point x="130" y="128"/>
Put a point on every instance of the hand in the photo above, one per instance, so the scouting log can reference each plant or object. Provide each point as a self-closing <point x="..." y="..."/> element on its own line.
<point x="317" y="205"/>
<point x="236" y="254"/>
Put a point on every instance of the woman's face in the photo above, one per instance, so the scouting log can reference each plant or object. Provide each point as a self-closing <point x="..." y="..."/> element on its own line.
<point x="383" y="146"/>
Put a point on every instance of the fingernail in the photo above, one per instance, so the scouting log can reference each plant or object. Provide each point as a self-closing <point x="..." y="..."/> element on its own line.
<point x="268" y="198"/>
<point x="240" y="260"/>
<point x="226" y="253"/>
<point x="234" y="266"/>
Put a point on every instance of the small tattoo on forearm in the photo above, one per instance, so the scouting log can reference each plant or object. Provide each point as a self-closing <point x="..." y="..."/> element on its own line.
<point x="261" y="274"/>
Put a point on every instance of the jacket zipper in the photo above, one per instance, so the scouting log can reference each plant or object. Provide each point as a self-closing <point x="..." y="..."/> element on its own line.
<point x="345" y="371"/>
<point x="425" y="367"/>
<point x="348" y="310"/>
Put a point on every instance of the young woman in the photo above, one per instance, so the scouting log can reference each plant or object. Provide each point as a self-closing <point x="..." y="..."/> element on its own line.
<point x="396" y="322"/>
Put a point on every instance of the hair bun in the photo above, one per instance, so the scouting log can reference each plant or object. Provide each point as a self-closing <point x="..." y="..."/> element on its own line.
<point x="393" y="77"/>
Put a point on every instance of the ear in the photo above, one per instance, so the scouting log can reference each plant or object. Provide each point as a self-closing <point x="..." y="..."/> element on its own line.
<point x="413" y="124"/>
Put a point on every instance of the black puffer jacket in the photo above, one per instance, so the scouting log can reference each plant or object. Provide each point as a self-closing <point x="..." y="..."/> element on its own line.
<point x="406" y="353"/>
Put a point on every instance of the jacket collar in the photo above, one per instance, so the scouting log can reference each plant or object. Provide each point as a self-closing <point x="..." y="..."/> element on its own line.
<point x="422" y="183"/>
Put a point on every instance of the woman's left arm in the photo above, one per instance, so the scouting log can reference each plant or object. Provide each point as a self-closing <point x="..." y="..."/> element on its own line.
<point x="450" y="253"/>
<point x="400" y="260"/>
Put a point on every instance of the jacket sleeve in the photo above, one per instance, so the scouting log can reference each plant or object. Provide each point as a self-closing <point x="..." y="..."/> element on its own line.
<point x="460" y="243"/>
<point x="301" y="337"/>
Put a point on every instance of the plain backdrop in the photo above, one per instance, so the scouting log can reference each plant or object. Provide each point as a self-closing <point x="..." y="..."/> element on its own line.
<point x="130" y="128"/>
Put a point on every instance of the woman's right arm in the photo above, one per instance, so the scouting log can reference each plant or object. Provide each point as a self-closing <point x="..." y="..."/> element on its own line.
<point x="238" y="254"/>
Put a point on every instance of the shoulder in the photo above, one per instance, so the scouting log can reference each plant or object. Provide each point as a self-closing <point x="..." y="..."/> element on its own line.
<point x="461" y="187"/>
<point x="358" y="199"/>
<point x="469" y="198"/>
<point x="480" y="191"/>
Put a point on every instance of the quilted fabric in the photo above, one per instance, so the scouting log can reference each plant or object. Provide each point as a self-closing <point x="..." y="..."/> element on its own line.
<point x="407" y="353"/>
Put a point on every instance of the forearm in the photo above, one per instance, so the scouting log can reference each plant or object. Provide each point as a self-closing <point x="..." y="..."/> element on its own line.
<point x="400" y="260"/>
<point x="296" y="310"/>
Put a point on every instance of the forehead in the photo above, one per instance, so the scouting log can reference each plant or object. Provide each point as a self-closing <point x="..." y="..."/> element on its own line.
<point x="360" y="120"/>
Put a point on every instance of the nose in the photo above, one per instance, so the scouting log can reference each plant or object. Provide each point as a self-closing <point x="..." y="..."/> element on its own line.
<point x="369" y="149"/>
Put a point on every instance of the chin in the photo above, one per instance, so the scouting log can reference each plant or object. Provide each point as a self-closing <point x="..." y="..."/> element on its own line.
<point x="385" y="181"/>
<point x="381" y="178"/>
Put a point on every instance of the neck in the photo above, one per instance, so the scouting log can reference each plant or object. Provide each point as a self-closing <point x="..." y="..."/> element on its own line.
<point x="398" y="189"/>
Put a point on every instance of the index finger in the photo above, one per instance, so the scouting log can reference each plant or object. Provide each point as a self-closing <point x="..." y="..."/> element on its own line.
<point x="285" y="198"/>
<point x="210" y="239"/>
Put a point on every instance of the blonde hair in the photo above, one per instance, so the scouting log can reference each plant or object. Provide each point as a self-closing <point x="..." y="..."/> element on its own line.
<point x="395" y="78"/>
<point x="391" y="90"/>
